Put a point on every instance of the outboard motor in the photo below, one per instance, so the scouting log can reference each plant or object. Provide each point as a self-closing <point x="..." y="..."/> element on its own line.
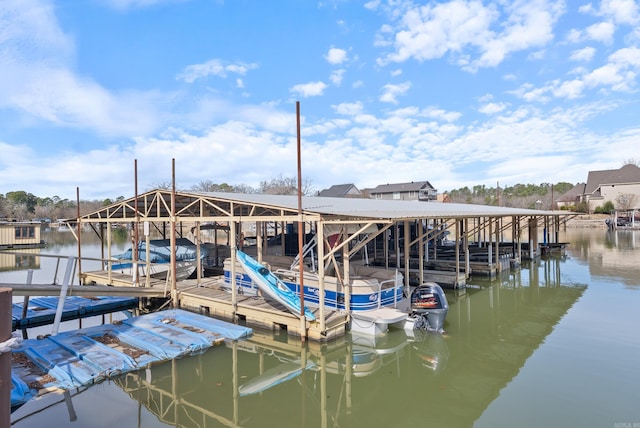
<point x="429" y="307"/>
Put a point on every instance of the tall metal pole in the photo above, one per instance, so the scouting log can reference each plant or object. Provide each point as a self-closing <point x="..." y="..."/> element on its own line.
<point x="136" y="238"/>
<point x="174" y="287"/>
<point x="301" y="230"/>
<point x="79" y="238"/>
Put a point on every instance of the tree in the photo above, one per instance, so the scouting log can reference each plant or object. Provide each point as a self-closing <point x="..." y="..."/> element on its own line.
<point x="626" y="201"/>
<point x="285" y="186"/>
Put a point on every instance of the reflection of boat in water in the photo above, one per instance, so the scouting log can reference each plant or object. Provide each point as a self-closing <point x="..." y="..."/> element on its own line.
<point x="272" y="377"/>
<point x="158" y="255"/>
<point x="432" y="349"/>
<point x="271" y="285"/>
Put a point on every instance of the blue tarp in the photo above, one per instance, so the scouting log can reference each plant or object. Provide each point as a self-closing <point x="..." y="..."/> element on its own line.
<point x="90" y="355"/>
<point x="42" y="310"/>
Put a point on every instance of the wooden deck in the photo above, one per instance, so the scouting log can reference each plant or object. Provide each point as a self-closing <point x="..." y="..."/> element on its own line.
<point x="258" y="312"/>
<point x="205" y="296"/>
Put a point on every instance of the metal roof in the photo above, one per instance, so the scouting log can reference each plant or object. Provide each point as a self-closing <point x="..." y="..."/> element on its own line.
<point x="381" y="209"/>
<point x="156" y="205"/>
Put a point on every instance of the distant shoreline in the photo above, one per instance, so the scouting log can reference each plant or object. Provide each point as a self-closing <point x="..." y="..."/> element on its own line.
<point x="589" y="220"/>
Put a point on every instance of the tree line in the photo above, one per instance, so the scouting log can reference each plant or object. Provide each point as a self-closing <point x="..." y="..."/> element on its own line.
<point x="21" y="205"/>
<point x="531" y="196"/>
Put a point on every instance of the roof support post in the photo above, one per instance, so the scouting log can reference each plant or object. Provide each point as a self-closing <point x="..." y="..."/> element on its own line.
<point x="421" y="246"/>
<point x="406" y="250"/>
<point x="234" y="288"/>
<point x="497" y="245"/>
<point x="320" y="243"/>
<point x="465" y="240"/>
<point x="458" y="226"/>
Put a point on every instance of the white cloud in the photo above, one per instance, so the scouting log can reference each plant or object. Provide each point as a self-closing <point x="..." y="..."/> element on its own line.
<point x="337" y="76"/>
<point x="133" y="4"/>
<point x="584" y="54"/>
<point x="461" y="28"/>
<point x="310" y="89"/>
<point x="622" y="11"/>
<point x="492" y="108"/>
<point x="336" y="56"/>
<point x="601" y="32"/>
<point x="213" y="67"/>
<point x="570" y="89"/>
<point x="619" y="73"/>
<point x="390" y="92"/>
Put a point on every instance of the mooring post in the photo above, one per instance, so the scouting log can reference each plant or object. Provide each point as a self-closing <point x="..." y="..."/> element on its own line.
<point x="5" y="358"/>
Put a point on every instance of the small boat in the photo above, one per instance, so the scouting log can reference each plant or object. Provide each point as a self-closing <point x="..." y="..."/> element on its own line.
<point x="160" y="259"/>
<point x="271" y="285"/>
<point x="429" y="307"/>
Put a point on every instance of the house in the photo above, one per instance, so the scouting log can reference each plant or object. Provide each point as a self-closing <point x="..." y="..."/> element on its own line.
<point x="620" y="186"/>
<point x="572" y="198"/>
<point x="20" y="235"/>
<point x="413" y="191"/>
<point x="341" y="191"/>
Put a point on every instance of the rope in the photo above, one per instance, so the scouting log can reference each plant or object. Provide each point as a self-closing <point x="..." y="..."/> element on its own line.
<point x="12" y="342"/>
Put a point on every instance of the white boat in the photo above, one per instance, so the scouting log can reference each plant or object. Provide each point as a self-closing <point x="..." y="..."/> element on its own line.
<point x="371" y="287"/>
<point x="271" y="285"/>
<point x="159" y="259"/>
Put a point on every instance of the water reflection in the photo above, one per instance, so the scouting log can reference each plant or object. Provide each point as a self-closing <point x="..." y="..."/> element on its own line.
<point x="22" y="260"/>
<point x="609" y="253"/>
<point x="359" y="381"/>
<point x="504" y="334"/>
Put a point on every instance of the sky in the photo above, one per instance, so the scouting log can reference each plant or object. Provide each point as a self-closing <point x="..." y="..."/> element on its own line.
<point x="457" y="93"/>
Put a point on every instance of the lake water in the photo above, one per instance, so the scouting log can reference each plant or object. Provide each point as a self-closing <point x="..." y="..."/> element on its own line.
<point x="554" y="344"/>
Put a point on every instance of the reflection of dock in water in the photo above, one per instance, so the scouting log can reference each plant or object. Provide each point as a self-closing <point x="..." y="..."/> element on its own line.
<point x="494" y="332"/>
<point x="22" y="260"/>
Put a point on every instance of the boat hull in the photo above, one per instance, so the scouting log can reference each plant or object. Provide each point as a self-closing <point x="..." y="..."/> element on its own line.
<point x="272" y="285"/>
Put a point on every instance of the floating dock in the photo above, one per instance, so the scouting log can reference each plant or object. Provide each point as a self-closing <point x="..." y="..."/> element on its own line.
<point x="42" y="310"/>
<point x="86" y="356"/>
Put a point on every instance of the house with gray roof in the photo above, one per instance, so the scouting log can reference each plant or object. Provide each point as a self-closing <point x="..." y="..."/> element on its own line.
<point x="341" y="191"/>
<point x="572" y="198"/>
<point x="413" y="191"/>
<point x="620" y="186"/>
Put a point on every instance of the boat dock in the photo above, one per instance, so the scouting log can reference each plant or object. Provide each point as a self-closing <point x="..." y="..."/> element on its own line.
<point x="210" y="297"/>
<point x="41" y="311"/>
<point x="86" y="356"/>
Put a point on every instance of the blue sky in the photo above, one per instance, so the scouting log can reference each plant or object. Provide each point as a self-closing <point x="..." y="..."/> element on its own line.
<point x="458" y="93"/>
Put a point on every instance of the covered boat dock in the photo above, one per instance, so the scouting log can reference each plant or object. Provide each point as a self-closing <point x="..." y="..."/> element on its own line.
<point x="425" y="241"/>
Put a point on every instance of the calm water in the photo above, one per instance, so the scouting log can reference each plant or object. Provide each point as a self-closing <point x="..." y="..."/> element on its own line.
<point x="555" y="344"/>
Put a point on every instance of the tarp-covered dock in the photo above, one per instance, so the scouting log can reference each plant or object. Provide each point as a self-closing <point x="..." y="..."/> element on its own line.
<point x="42" y="310"/>
<point x="91" y="355"/>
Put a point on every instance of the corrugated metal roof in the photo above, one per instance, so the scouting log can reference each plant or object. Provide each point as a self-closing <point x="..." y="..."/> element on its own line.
<point x="380" y="209"/>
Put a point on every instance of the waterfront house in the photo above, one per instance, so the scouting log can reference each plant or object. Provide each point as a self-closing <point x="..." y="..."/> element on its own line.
<point x="413" y="191"/>
<point x="341" y="191"/>
<point x="20" y="235"/>
<point x="572" y="198"/>
<point x="620" y="186"/>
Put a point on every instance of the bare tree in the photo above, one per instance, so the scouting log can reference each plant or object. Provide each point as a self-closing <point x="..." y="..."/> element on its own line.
<point x="285" y="186"/>
<point x="626" y="201"/>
